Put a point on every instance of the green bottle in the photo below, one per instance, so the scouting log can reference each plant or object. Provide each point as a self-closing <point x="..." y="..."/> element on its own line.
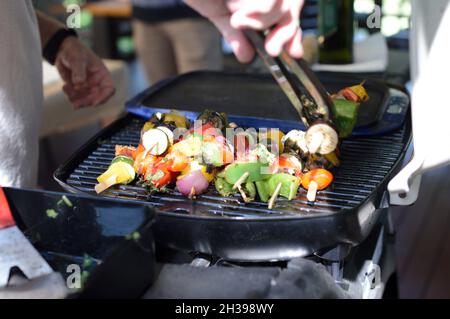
<point x="336" y="21"/>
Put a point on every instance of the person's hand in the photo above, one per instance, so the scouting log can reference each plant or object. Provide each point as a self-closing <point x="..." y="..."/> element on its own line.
<point x="230" y="16"/>
<point x="87" y="80"/>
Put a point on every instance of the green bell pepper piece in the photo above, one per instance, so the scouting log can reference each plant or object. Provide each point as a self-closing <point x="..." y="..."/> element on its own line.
<point x="345" y="114"/>
<point x="263" y="191"/>
<point x="289" y="185"/>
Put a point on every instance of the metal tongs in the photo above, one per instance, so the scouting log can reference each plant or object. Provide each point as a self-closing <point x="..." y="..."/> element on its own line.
<point x="318" y="111"/>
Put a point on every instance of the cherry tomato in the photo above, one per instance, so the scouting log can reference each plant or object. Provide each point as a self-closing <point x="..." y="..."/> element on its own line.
<point x="177" y="162"/>
<point x="321" y="176"/>
<point x="204" y="130"/>
<point x="290" y="164"/>
<point x="159" y="175"/>
<point x="142" y="164"/>
<point x="127" y="151"/>
<point x="140" y="149"/>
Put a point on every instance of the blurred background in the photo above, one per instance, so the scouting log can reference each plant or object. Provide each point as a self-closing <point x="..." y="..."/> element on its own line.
<point x="423" y="257"/>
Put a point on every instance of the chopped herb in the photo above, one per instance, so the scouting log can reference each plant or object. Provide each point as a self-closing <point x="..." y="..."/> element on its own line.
<point x="87" y="261"/>
<point x="51" y="213"/>
<point x="84" y="278"/>
<point x="67" y="201"/>
<point x="134" y="236"/>
<point x="158" y="175"/>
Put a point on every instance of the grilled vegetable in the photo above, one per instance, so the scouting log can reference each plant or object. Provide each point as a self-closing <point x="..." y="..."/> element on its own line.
<point x="262" y="154"/>
<point x="177" y="161"/>
<point x="223" y="187"/>
<point x="123" y="159"/>
<point x="346" y="106"/>
<point x="290" y="164"/>
<point x="158" y="176"/>
<point x="125" y="150"/>
<point x="227" y="150"/>
<point x="289" y="185"/>
<point x="235" y="171"/>
<point x="250" y="191"/>
<point x="322" y="177"/>
<point x="143" y="161"/>
<point x="155" y="141"/>
<point x="263" y="190"/>
<point x="273" y="139"/>
<point x="218" y="120"/>
<point x="190" y="146"/>
<point x="212" y="154"/>
<point x="177" y="118"/>
<point x="207" y="129"/>
<point x="314" y="180"/>
<point x="121" y="171"/>
<point x="332" y="159"/>
<point x="321" y="138"/>
<point x="295" y="141"/>
<point x="192" y="183"/>
<point x="148" y="126"/>
<point x="346" y="115"/>
<point x="243" y="142"/>
<point x="356" y="93"/>
<point x="168" y="132"/>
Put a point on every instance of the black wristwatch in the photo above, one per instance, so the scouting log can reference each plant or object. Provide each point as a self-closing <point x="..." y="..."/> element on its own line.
<point x="51" y="49"/>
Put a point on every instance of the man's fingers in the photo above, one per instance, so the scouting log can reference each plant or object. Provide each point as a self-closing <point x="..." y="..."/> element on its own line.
<point x="63" y="72"/>
<point x="77" y="64"/>
<point x="295" y="47"/>
<point x="104" y="94"/>
<point x="260" y="17"/>
<point x="282" y="34"/>
<point x="242" y="48"/>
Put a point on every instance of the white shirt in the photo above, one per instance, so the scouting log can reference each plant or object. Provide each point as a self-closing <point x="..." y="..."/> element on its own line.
<point x="20" y="93"/>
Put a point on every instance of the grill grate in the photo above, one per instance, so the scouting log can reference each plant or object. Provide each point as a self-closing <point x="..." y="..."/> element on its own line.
<point x="366" y="162"/>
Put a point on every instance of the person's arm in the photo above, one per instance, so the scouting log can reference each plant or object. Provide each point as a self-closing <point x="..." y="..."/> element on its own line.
<point x="87" y="80"/>
<point x="230" y="16"/>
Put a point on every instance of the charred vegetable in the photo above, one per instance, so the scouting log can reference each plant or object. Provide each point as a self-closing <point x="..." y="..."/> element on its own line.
<point x="346" y="115"/>
<point x="179" y="120"/>
<point x="321" y="138"/>
<point x="346" y="106"/>
<point x="121" y="171"/>
<point x="295" y="141"/>
<point x="218" y="120"/>
<point x="224" y="188"/>
<point x="289" y="185"/>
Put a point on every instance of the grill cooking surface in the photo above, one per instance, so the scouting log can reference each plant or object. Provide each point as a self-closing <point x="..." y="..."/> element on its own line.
<point x="366" y="162"/>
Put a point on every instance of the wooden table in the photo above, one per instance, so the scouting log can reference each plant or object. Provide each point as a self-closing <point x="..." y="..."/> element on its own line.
<point x="109" y="8"/>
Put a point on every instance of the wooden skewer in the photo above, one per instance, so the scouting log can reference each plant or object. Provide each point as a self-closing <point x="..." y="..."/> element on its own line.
<point x="192" y="193"/>
<point x="274" y="196"/>
<point x="241" y="180"/>
<point x="312" y="191"/>
<point x="244" y="196"/>
<point x="106" y="184"/>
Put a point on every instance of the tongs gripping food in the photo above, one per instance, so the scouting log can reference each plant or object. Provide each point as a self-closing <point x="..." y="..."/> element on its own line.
<point x="313" y="106"/>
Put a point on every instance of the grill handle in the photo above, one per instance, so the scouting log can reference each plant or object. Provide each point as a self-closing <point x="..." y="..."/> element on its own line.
<point x="430" y="118"/>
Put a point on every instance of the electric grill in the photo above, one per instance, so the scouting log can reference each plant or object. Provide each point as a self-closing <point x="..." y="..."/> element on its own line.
<point x="343" y="215"/>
